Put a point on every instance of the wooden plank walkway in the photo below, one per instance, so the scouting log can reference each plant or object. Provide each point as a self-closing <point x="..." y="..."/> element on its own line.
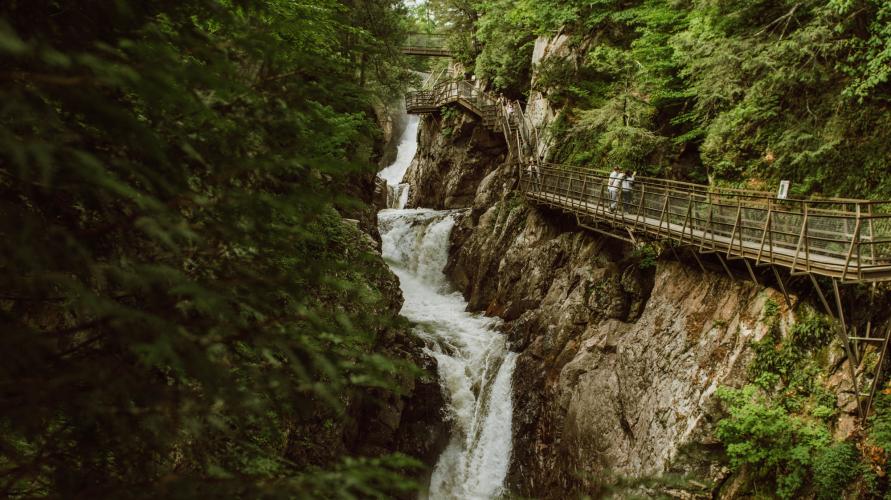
<point x="845" y="239"/>
<point x="839" y="238"/>
<point x="462" y="93"/>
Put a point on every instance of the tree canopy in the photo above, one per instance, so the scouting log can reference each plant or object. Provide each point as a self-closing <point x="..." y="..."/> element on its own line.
<point x="179" y="292"/>
<point x="733" y="91"/>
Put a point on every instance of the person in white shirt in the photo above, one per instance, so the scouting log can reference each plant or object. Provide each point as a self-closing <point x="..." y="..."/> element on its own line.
<point x="627" y="186"/>
<point x="615" y="183"/>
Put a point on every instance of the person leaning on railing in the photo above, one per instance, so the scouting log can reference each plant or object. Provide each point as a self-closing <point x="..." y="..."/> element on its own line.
<point x="615" y="183"/>
<point x="534" y="175"/>
<point x="627" y="187"/>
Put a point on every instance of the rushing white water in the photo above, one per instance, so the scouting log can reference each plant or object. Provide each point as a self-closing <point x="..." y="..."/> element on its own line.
<point x="475" y="366"/>
<point x="397" y="191"/>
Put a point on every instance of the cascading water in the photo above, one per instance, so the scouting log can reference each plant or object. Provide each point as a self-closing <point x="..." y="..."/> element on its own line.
<point x="475" y="366"/>
<point x="397" y="191"/>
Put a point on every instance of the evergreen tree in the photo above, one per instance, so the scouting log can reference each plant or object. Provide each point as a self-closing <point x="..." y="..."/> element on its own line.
<point x="179" y="294"/>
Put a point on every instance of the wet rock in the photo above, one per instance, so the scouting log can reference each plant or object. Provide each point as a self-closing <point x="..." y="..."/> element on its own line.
<point x="410" y="420"/>
<point x="454" y="155"/>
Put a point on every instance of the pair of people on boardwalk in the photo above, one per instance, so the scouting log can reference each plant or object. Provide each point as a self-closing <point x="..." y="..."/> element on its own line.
<point x="620" y="185"/>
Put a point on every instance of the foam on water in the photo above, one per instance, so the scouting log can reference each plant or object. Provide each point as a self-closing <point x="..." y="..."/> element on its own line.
<point x="475" y="366"/>
<point x="397" y="191"/>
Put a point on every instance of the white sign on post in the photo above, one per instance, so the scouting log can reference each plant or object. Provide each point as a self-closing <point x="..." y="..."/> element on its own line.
<point x="784" y="190"/>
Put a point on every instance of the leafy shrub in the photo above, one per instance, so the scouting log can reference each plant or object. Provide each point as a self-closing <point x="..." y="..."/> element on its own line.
<point x="778" y="446"/>
<point x="182" y="299"/>
<point x="647" y="255"/>
<point x="834" y="469"/>
<point x="879" y="434"/>
<point x="778" y="424"/>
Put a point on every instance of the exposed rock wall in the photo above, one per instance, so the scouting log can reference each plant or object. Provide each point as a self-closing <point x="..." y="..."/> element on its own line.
<point x="619" y="364"/>
<point x="453" y="156"/>
<point x="391" y="119"/>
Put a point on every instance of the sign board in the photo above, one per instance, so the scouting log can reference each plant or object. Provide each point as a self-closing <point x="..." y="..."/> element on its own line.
<point x="783" y="192"/>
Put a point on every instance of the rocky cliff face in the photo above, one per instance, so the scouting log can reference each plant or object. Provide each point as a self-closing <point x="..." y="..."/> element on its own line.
<point x="619" y="364"/>
<point x="453" y="156"/>
<point x="619" y="359"/>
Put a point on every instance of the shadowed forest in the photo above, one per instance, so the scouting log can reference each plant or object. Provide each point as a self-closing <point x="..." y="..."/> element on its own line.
<point x="193" y="303"/>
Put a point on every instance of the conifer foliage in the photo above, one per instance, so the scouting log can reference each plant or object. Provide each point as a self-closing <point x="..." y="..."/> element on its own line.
<point x="739" y="92"/>
<point x="178" y="290"/>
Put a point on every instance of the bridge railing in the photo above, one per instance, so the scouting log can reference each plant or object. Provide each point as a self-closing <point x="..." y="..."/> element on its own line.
<point x="426" y="44"/>
<point x="448" y="92"/>
<point x="427" y="40"/>
<point x="844" y="238"/>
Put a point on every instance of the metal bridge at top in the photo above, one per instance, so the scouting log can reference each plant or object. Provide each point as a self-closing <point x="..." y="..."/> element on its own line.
<point x="426" y="44"/>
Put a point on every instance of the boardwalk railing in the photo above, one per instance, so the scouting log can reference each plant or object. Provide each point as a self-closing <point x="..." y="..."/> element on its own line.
<point x="497" y="114"/>
<point x="449" y="92"/>
<point x="427" y="44"/>
<point x="845" y="239"/>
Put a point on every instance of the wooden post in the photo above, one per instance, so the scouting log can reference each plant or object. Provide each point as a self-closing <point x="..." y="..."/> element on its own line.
<point x="782" y="285"/>
<point x="735" y="225"/>
<point x="875" y="380"/>
<point x="852" y="359"/>
<point x="765" y="231"/>
<point x="724" y="264"/>
<point x="640" y="205"/>
<point x="662" y="215"/>
<point x="801" y="235"/>
<point x="687" y="219"/>
<point x="698" y="260"/>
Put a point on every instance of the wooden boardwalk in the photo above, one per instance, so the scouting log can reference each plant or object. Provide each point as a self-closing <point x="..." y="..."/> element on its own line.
<point x="844" y="239"/>
<point x="460" y="93"/>
<point x="849" y="240"/>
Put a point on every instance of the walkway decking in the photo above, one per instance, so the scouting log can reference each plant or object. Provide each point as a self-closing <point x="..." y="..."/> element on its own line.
<point x="845" y="239"/>
<point x="462" y="93"/>
<point x="426" y="44"/>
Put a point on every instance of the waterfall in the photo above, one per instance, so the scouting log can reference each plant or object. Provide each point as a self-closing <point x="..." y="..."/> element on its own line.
<point x="397" y="191"/>
<point x="475" y="366"/>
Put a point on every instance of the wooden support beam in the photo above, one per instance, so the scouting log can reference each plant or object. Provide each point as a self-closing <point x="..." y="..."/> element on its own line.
<point x="751" y="271"/>
<point x="820" y="295"/>
<point x="678" y="258"/>
<point x="878" y="374"/>
<point x="724" y="264"/>
<point x="782" y="285"/>
<point x="736" y="225"/>
<point x="698" y="260"/>
<point x="843" y="337"/>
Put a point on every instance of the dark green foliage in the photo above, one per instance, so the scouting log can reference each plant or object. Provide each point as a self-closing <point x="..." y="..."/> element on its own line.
<point x="180" y="296"/>
<point x="763" y="435"/>
<point x="777" y="426"/>
<point x="735" y="92"/>
<point x="646" y="255"/>
<point x="790" y="366"/>
<point x="834" y="469"/>
<point x="879" y="433"/>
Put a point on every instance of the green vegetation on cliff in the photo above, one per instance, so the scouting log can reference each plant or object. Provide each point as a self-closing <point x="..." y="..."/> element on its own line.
<point x="740" y="92"/>
<point x="184" y="311"/>
<point x="777" y="428"/>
